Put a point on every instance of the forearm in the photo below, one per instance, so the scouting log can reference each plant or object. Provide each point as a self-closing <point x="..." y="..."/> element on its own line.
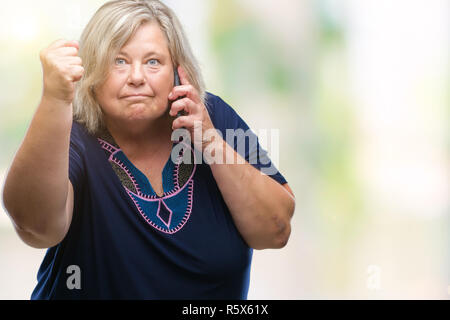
<point x="36" y="186"/>
<point x="261" y="208"/>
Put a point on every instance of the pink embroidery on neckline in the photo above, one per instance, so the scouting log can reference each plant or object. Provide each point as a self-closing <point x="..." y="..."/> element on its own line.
<point x="169" y="194"/>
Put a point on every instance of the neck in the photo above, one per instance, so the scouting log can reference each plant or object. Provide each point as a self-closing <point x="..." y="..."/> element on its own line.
<point x="141" y="136"/>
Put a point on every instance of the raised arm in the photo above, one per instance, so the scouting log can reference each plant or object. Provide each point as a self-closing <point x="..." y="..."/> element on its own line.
<point x="37" y="194"/>
<point x="261" y="208"/>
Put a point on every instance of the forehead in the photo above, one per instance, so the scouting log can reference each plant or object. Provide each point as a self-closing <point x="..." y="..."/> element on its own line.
<point x="148" y="37"/>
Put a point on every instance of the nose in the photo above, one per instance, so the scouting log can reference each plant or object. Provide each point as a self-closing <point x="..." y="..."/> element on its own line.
<point x="136" y="77"/>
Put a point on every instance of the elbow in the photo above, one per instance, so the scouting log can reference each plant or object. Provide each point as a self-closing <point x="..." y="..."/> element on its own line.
<point x="283" y="226"/>
<point x="276" y="241"/>
<point x="36" y="234"/>
<point x="11" y="205"/>
<point x="9" y="208"/>
<point x="16" y="215"/>
<point x="280" y="230"/>
<point x="277" y="238"/>
<point x="40" y="238"/>
<point x="282" y="237"/>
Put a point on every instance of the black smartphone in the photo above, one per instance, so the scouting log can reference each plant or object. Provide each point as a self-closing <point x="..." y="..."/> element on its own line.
<point x="177" y="82"/>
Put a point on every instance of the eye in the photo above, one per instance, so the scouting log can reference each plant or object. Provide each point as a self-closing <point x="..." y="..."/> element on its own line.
<point x="153" y="62"/>
<point x="120" y="61"/>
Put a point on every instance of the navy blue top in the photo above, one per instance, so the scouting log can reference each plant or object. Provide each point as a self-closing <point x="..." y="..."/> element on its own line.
<point x="126" y="242"/>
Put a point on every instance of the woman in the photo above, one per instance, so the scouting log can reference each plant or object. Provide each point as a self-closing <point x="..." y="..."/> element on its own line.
<point x="123" y="215"/>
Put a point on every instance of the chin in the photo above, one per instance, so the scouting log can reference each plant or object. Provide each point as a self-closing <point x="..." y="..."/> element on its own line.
<point x="142" y="111"/>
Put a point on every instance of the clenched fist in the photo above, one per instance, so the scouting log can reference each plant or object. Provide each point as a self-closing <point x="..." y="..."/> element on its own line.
<point x="62" y="68"/>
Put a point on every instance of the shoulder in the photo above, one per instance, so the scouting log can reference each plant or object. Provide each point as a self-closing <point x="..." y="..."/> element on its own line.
<point x="216" y="104"/>
<point x="222" y="114"/>
<point x="78" y="136"/>
<point x="78" y="130"/>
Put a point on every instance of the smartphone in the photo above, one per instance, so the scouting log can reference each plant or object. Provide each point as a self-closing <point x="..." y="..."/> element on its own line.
<point x="178" y="83"/>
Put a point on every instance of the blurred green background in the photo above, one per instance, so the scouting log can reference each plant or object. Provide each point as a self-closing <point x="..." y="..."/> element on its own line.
<point x="360" y="93"/>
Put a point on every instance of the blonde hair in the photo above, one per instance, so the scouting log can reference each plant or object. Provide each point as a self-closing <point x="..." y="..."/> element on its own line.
<point x="107" y="32"/>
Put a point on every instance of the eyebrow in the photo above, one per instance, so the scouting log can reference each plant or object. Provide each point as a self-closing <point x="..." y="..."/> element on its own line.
<point x="150" y="53"/>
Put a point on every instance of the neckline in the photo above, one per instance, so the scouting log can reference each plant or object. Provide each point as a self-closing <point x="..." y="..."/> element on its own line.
<point x="107" y="137"/>
<point x="165" y="168"/>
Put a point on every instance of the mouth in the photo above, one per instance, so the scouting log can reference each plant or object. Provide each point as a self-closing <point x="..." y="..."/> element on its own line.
<point x="136" y="97"/>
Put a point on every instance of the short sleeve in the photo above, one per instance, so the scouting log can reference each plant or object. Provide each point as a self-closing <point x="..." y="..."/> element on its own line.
<point x="237" y="133"/>
<point x="76" y="162"/>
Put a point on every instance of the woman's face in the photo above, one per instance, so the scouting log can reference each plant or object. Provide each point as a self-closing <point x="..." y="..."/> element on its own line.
<point x="140" y="78"/>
